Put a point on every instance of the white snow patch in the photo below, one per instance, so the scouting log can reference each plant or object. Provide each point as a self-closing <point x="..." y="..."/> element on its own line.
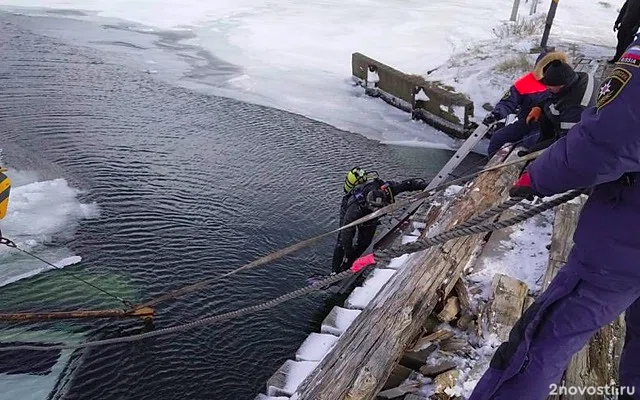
<point x="265" y="397"/>
<point x="524" y="255"/>
<point x="296" y="374"/>
<point x="409" y="239"/>
<point x="398" y="262"/>
<point x="361" y="296"/>
<point x="422" y="96"/>
<point x="372" y="77"/>
<point x="341" y="319"/>
<point x="453" y="190"/>
<point x="315" y="347"/>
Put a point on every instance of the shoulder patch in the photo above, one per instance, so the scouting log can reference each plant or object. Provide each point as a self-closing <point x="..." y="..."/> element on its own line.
<point x="507" y="94"/>
<point x="612" y="86"/>
<point x="631" y="57"/>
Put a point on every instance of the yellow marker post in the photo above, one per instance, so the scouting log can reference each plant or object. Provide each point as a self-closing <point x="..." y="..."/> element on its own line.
<point x="5" y="188"/>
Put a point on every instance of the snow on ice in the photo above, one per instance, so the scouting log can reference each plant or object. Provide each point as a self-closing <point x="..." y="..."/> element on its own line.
<point x="38" y="211"/>
<point x="296" y="56"/>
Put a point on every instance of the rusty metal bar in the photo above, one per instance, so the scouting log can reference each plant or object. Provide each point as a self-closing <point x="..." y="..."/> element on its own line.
<point x="142" y="312"/>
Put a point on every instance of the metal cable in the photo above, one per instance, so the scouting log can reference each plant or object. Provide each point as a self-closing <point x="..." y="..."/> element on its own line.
<point x="419" y="245"/>
<point x="11" y="244"/>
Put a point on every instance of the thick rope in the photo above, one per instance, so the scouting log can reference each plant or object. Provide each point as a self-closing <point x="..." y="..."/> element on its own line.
<point x="420" y="197"/>
<point x="492" y="212"/>
<point x="456" y="232"/>
<point x="383" y="255"/>
<point x="201" y="322"/>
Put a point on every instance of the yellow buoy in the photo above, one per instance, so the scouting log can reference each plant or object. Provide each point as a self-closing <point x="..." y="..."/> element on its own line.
<point x="5" y="188"/>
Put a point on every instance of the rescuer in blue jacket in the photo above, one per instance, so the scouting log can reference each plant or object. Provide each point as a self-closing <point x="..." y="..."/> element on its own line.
<point x="524" y="94"/>
<point x="601" y="278"/>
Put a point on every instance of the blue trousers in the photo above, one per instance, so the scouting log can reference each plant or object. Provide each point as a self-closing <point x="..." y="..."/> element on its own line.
<point x="556" y="326"/>
<point x="517" y="132"/>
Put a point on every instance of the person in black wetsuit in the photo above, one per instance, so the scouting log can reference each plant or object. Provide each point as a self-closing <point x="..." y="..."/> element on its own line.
<point x="360" y="201"/>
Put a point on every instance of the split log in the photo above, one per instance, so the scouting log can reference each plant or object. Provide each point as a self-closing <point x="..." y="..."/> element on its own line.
<point x="399" y="391"/>
<point x="595" y="364"/>
<point x="399" y="374"/>
<point x="468" y="314"/>
<point x="463" y="298"/>
<point x="432" y="338"/>
<point x="366" y="353"/>
<point x="450" y="310"/>
<point x="505" y="305"/>
<point x="445" y="380"/>
<point x="437" y="369"/>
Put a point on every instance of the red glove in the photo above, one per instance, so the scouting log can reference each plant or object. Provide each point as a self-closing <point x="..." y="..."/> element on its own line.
<point x="362" y="262"/>
<point x="522" y="188"/>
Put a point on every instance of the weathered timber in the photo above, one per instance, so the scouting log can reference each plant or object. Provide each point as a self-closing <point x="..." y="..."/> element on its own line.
<point x="399" y="374"/>
<point x="468" y="313"/>
<point x="437" y="369"/>
<point x="364" y="356"/>
<point x="399" y="391"/>
<point x="596" y="363"/>
<point x="445" y="380"/>
<point x="450" y="310"/>
<point x="438" y="105"/>
<point x="416" y="359"/>
<point x="431" y="338"/>
<point x="463" y="297"/>
<point x="505" y="304"/>
<point x="564" y="226"/>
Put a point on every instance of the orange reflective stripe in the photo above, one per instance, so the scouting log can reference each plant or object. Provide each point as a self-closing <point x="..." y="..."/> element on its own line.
<point x="528" y="84"/>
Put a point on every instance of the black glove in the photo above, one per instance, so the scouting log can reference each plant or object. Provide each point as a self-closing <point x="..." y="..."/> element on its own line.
<point x="490" y="119"/>
<point x="419" y="183"/>
<point x="522" y="188"/>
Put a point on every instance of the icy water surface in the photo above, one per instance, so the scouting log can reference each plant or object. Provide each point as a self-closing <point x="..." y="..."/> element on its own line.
<point x="188" y="186"/>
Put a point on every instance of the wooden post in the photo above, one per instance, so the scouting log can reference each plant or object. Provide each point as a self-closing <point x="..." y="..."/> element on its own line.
<point x="514" y="10"/>
<point x="547" y="27"/>
<point x="368" y="350"/>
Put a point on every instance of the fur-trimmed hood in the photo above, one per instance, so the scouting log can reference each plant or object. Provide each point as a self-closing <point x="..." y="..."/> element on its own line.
<point x="545" y="60"/>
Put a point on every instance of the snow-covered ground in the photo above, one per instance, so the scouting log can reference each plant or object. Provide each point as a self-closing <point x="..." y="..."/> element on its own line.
<point x="296" y="55"/>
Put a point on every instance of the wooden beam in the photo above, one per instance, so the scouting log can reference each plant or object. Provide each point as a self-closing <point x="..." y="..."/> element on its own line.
<point x="505" y="305"/>
<point x="367" y="352"/>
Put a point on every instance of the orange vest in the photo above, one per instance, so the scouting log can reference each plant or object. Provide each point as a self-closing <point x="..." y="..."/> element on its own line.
<point x="528" y="84"/>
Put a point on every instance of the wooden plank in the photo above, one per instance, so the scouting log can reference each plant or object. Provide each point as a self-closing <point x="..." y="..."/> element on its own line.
<point x="377" y="339"/>
<point x="399" y="374"/>
<point x="450" y="310"/>
<point x="505" y="305"/>
<point x="564" y="226"/>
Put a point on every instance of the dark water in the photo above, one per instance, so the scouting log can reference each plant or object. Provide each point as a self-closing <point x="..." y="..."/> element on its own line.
<point x="189" y="186"/>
